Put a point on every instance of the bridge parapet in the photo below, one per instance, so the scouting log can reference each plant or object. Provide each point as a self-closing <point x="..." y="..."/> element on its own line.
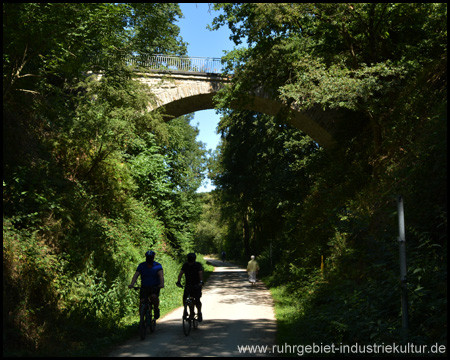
<point x="177" y="63"/>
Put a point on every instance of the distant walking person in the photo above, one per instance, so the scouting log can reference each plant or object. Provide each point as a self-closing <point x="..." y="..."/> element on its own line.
<point x="252" y="269"/>
<point x="224" y="255"/>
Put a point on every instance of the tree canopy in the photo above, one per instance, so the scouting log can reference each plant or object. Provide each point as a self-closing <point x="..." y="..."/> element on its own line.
<point x="290" y="202"/>
<point x="338" y="56"/>
<point x="91" y="179"/>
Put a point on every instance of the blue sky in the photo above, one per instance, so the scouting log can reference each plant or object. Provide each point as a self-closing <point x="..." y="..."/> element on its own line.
<point x="204" y="43"/>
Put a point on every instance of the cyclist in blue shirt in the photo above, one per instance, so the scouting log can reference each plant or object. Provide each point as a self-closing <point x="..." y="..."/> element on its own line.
<point x="152" y="280"/>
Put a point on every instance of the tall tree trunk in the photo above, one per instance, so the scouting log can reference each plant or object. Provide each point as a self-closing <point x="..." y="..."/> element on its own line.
<point x="246" y="235"/>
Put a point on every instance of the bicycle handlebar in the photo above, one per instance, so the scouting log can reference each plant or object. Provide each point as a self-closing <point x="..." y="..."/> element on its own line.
<point x="140" y="287"/>
<point x="189" y="286"/>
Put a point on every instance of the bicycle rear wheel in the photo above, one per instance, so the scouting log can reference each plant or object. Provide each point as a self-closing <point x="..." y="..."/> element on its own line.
<point x="186" y="320"/>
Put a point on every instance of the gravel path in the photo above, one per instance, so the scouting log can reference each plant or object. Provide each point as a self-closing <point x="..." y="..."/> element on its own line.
<point x="234" y="314"/>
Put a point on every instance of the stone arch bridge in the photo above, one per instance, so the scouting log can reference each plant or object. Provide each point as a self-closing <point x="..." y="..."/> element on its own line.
<point x="183" y="85"/>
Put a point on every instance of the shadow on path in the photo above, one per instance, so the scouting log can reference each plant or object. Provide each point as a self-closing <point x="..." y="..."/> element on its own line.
<point x="235" y="314"/>
<point x="216" y="338"/>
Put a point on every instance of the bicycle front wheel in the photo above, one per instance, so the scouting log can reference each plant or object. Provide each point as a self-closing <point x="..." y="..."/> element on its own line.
<point x="152" y="325"/>
<point x="143" y="322"/>
<point x="195" y="322"/>
<point x="186" y="320"/>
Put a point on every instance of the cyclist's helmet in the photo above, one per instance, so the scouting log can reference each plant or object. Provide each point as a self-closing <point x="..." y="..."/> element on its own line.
<point x="150" y="256"/>
<point x="191" y="257"/>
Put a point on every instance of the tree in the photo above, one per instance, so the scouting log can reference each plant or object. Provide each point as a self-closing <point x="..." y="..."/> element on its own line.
<point x="337" y="56"/>
<point x="154" y="30"/>
<point x="210" y="232"/>
<point x="76" y="149"/>
<point x="168" y="173"/>
<point x="261" y="177"/>
<point x="385" y="65"/>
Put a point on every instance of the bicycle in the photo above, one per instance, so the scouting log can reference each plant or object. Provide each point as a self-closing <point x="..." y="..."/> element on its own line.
<point x="145" y="313"/>
<point x="190" y="317"/>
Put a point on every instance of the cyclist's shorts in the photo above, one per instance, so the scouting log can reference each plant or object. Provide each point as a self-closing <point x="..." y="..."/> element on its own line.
<point x="146" y="291"/>
<point x="195" y="292"/>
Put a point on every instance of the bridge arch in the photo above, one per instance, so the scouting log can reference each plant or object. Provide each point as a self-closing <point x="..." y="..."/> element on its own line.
<point x="186" y="85"/>
<point x="182" y="93"/>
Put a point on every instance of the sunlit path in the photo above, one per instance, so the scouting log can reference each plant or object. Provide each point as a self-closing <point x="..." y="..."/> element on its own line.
<point x="235" y="314"/>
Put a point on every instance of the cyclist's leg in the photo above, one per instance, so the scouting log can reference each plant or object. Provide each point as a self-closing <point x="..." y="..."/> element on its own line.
<point x="155" y="301"/>
<point x="156" y="312"/>
<point x="189" y="310"/>
<point x="143" y="294"/>
<point x="154" y="298"/>
<point x="185" y="314"/>
<point x="198" y="304"/>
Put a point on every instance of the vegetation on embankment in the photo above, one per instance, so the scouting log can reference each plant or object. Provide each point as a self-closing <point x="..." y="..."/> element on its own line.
<point x="91" y="179"/>
<point x="290" y="202"/>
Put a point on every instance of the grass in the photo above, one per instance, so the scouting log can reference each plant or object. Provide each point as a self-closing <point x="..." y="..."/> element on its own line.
<point x="78" y="337"/>
<point x="287" y="311"/>
<point x="299" y="322"/>
<point x="170" y="300"/>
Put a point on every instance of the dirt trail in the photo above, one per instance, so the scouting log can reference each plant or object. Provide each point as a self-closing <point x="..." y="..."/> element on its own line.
<point x="234" y="314"/>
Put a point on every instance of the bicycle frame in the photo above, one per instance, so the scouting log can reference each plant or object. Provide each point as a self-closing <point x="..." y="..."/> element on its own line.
<point x="145" y="314"/>
<point x="190" y="317"/>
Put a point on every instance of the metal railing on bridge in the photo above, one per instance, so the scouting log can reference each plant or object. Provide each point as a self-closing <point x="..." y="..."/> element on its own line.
<point x="177" y="63"/>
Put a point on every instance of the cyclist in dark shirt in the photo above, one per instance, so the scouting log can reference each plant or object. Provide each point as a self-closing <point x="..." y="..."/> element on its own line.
<point x="193" y="272"/>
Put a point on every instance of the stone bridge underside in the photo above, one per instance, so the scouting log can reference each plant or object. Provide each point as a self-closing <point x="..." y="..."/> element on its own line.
<point x="182" y="93"/>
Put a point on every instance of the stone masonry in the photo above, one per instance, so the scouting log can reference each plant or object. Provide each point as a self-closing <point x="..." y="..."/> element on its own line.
<point x="182" y="93"/>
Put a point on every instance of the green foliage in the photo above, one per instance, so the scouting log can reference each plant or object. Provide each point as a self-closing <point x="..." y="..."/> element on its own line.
<point x="168" y="175"/>
<point x="210" y="232"/>
<point x="259" y="173"/>
<point x="337" y="56"/>
<point x="91" y="179"/>
<point x="149" y="21"/>
<point x="291" y="202"/>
